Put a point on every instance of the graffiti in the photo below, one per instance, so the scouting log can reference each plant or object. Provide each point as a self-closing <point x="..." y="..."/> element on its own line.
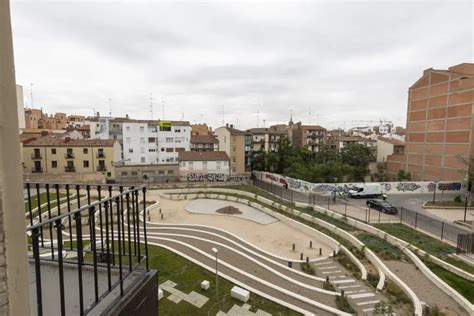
<point x="323" y="188"/>
<point x="408" y="186"/>
<point x="386" y="186"/>
<point x="211" y="177"/>
<point x="448" y="186"/>
<point x="294" y="184"/>
<point x="239" y="178"/>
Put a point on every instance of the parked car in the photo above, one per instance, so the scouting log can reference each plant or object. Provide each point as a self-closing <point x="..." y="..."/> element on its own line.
<point x="382" y="206"/>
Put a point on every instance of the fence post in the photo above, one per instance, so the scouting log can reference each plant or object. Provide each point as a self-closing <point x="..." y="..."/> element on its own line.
<point x="328" y="203"/>
<point x="401" y="214"/>
<point x="442" y="230"/>
<point x="379" y="216"/>
<point x="416" y="219"/>
<point x="345" y="210"/>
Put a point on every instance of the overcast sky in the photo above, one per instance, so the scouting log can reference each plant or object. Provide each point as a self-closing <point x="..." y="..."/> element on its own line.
<point x="339" y="61"/>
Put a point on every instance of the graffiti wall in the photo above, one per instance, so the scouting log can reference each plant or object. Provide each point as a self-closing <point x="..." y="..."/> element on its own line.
<point x="388" y="187"/>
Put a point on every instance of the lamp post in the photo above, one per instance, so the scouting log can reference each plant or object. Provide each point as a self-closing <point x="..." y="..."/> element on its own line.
<point x="215" y="251"/>
<point x="335" y="188"/>
<point x="465" y="205"/>
<point x="434" y="192"/>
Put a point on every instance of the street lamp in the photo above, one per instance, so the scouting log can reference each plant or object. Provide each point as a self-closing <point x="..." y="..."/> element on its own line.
<point x="434" y="192"/>
<point x="466" y="194"/>
<point x="215" y="251"/>
<point x="335" y="188"/>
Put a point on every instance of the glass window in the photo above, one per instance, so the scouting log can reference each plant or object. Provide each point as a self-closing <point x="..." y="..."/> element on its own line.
<point x="54" y="164"/>
<point x="86" y="163"/>
<point x="142" y="159"/>
<point x="142" y="129"/>
<point x="130" y="150"/>
<point x="85" y="151"/>
<point x="53" y="151"/>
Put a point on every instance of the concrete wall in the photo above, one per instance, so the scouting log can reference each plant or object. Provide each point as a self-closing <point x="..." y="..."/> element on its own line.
<point x="14" y="285"/>
<point x="401" y="187"/>
<point x="214" y="171"/>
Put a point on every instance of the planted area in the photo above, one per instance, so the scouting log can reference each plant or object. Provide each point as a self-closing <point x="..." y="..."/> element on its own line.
<point x="189" y="276"/>
<point x="43" y="199"/>
<point x="382" y="247"/>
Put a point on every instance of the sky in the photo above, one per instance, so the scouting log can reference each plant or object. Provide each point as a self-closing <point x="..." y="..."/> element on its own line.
<point x="335" y="63"/>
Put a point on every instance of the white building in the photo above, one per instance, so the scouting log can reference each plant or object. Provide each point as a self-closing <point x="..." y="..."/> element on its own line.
<point x="387" y="146"/>
<point x="154" y="142"/>
<point x="21" y="106"/>
<point x="197" y="166"/>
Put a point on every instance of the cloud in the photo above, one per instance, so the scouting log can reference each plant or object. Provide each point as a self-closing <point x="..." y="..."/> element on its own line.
<point x="341" y="61"/>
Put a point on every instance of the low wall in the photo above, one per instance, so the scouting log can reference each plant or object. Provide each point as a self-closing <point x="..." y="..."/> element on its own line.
<point x="400" y="187"/>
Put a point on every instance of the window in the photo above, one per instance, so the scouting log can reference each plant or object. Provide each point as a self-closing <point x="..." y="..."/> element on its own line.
<point x="142" y="159"/>
<point x="142" y="150"/>
<point x="233" y="148"/>
<point x="134" y="173"/>
<point x="85" y="151"/>
<point x="233" y="159"/>
<point x="53" y="151"/>
<point x="109" y="174"/>
<point x="162" y="149"/>
<point x="191" y="165"/>
<point x="128" y="140"/>
<point x="169" y="139"/>
<point x="170" y="172"/>
<point x="128" y="130"/>
<point x="142" y="129"/>
<point x="218" y="165"/>
<point x="130" y="150"/>
<point x="54" y="164"/>
<point x="178" y="149"/>
<point x="151" y="139"/>
<point x="142" y="140"/>
<point x="124" y="173"/>
<point x="169" y="150"/>
<point x="204" y="165"/>
<point x="161" y="172"/>
<point x="86" y="163"/>
<point x="151" y="150"/>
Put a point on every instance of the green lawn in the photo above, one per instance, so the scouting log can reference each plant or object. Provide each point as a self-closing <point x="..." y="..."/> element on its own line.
<point x="463" y="286"/>
<point x="450" y="203"/>
<point x="382" y="247"/>
<point x="43" y="198"/>
<point x="189" y="276"/>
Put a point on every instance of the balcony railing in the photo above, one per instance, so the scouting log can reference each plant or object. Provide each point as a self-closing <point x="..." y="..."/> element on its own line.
<point x="101" y="168"/>
<point x="36" y="156"/>
<point x="88" y="254"/>
<point x="36" y="170"/>
<point x="100" y="155"/>
<point x="69" y="156"/>
<point x="70" y="169"/>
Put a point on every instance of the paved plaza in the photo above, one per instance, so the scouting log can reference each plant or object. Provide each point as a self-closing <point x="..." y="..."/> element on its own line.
<point x="177" y="296"/>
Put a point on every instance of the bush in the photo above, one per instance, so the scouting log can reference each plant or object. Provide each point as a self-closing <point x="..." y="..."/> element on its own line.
<point x="383" y="309"/>
<point x="329" y="287"/>
<point x="343" y="305"/>
<point x="457" y="199"/>
<point x="307" y="268"/>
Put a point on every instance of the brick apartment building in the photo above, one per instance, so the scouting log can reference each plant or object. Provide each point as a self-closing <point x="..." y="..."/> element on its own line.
<point x="311" y="137"/>
<point x="439" y="134"/>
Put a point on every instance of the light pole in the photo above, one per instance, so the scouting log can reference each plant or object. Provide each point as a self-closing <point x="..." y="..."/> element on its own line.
<point x="31" y="94"/>
<point x="215" y="251"/>
<point x="335" y="188"/>
<point x="465" y="205"/>
<point x="434" y="192"/>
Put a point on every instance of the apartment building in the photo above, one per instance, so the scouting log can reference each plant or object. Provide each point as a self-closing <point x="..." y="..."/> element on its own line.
<point x="56" y="155"/>
<point x="201" y="129"/>
<point x="311" y="137"/>
<point x="238" y="146"/>
<point x="106" y="127"/>
<point x="204" y="143"/>
<point x="387" y="146"/>
<point x="155" y="142"/>
<point x="266" y="139"/>
<point x="203" y="166"/>
<point x="439" y="133"/>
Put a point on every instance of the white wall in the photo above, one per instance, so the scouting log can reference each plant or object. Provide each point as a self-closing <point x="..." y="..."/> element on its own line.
<point x="383" y="150"/>
<point x="202" y="170"/>
<point x="21" y="106"/>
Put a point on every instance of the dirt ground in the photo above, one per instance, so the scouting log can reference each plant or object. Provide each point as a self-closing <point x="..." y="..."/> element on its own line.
<point x="276" y="238"/>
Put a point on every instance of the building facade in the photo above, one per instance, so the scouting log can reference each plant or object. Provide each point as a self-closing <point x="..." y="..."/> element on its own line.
<point x="266" y="139"/>
<point x="203" y="166"/>
<point x="439" y="138"/>
<point x="238" y="146"/>
<point x="311" y="137"/>
<point x="204" y="143"/>
<point x="387" y="146"/>
<point x="155" y="142"/>
<point x="55" y="155"/>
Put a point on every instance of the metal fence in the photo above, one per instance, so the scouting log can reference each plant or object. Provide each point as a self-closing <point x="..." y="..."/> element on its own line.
<point x="100" y="224"/>
<point x="420" y="221"/>
<point x="465" y="243"/>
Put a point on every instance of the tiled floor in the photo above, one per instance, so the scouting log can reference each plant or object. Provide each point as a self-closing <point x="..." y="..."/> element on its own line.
<point x="243" y="310"/>
<point x="177" y="296"/>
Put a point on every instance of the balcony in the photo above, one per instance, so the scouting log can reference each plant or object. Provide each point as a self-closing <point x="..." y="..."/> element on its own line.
<point x="70" y="169"/>
<point x="76" y="270"/>
<point x="69" y="156"/>
<point x="37" y="170"/>
<point x="36" y="156"/>
<point x="101" y="168"/>
<point x="100" y="155"/>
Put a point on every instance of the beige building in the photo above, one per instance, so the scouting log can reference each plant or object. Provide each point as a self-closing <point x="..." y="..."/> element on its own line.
<point x="266" y="139"/>
<point x="387" y="146"/>
<point x="236" y="144"/>
<point x="56" y="155"/>
<point x="200" y="129"/>
<point x="439" y="134"/>
<point x="204" y="143"/>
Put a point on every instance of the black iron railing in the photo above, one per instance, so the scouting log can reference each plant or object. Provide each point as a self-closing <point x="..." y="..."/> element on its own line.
<point x="99" y="224"/>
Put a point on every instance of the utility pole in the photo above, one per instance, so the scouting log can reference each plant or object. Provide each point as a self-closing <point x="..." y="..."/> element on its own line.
<point x="110" y="107"/>
<point x="151" y="106"/>
<point x="163" y="106"/>
<point x="31" y="95"/>
<point x="223" y="115"/>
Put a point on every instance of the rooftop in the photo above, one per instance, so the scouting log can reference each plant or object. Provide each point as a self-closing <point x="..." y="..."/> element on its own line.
<point x="392" y="141"/>
<point x="202" y="156"/>
<point x="203" y="139"/>
<point x="52" y="141"/>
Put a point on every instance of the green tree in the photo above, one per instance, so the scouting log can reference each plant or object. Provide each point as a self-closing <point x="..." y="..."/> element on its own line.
<point x="403" y="176"/>
<point x="357" y="156"/>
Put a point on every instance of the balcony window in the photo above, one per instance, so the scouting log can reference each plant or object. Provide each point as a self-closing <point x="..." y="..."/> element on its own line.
<point x="85" y="163"/>
<point x="54" y="164"/>
<point x="53" y="151"/>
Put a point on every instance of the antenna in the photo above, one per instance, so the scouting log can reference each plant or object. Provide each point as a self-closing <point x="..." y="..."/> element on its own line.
<point x="310" y="115"/>
<point x="163" y="106"/>
<point x="258" y="113"/>
<point x="151" y="106"/>
<point x="31" y="94"/>
<point x="263" y="123"/>
<point x="223" y="116"/>
<point x="110" y="107"/>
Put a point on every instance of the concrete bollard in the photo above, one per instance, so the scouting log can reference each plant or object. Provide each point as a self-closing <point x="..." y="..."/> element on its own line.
<point x="327" y="278"/>
<point x="294" y="247"/>
<point x="307" y="259"/>
<point x="342" y="293"/>
<point x="301" y="256"/>
<point x="310" y="244"/>
<point x="161" y="216"/>
<point x="320" y="251"/>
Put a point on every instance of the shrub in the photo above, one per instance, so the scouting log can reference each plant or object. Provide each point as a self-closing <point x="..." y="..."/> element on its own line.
<point x="307" y="268"/>
<point x="343" y="305"/>
<point x="457" y="199"/>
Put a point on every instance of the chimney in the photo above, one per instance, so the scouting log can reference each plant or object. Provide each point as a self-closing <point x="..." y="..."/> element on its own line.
<point x="98" y="114"/>
<point x="227" y="124"/>
<point x="231" y="125"/>
<point x="126" y="116"/>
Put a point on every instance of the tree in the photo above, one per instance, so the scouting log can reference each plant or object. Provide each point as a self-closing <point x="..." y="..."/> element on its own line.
<point x="403" y="176"/>
<point x="383" y="309"/>
<point x="357" y="156"/>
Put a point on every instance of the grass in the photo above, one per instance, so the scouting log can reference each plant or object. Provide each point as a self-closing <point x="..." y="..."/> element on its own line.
<point x="460" y="264"/>
<point x="343" y="305"/>
<point x="383" y="248"/>
<point x="429" y="244"/>
<point x="449" y="203"/>
<point x="307" y="268"/>
<point x="43" y="198"/>
<point x="189" y="276"/>
<point x="347" y="263"/>
<point x="463" y="286"/>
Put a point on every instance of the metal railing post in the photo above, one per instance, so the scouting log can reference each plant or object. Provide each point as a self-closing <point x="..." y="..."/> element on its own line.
<point x="36" y="255"/>
<point x="59" y="233"/>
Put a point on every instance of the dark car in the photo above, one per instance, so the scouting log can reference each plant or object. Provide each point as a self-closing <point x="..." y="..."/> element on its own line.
<point x="382" y="206"/>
